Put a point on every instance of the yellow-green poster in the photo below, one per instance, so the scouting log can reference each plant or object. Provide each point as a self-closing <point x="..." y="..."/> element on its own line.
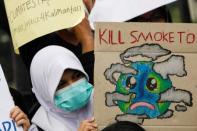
<point x="30" y="19"/>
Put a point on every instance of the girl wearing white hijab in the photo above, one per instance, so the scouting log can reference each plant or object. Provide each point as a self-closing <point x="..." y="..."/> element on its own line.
<point x="61" y="87"/>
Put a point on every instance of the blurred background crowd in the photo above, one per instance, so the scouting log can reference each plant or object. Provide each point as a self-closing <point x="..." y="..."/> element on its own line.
<point x="181" y="11"/>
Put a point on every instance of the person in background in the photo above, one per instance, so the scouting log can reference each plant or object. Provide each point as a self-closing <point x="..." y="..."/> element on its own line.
<point x="124" y="126"/>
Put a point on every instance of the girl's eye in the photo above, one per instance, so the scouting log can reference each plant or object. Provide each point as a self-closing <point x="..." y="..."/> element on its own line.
<point x="151" y="84"/>
<point x="62" y="83"/>
<point x="77" y="75"/>
<point x="130" y="82"/>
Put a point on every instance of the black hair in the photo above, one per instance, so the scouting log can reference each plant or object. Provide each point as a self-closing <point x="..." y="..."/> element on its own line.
<point x="3" y="19"/>
<point x="124" y="126"/>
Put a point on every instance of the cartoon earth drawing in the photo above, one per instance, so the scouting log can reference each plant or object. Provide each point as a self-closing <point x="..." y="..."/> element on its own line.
<point x="144" y="89"/>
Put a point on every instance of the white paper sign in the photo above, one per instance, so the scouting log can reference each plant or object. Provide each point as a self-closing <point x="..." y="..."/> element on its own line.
<point x="6" y="103"/>
<point x="122" y="10"/>
<point x="30" y="19"/>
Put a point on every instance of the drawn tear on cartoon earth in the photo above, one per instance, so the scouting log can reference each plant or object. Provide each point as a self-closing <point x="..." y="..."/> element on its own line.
<point x="144" y="89"/>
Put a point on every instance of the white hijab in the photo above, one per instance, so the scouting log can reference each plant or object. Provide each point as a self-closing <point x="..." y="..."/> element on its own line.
<point x="46" y="70"/>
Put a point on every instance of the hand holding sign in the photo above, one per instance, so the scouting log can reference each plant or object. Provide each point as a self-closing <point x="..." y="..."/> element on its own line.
<point x="20" y="118"/>
<point x="6" y="103"/>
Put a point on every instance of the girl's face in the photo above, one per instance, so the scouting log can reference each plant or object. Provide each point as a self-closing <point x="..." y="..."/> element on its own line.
<point x="73" y="91"/>
<point x="69" y="76"/>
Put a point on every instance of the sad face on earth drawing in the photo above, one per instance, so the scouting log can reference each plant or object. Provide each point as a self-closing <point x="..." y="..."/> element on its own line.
<point x="143" y="89"/>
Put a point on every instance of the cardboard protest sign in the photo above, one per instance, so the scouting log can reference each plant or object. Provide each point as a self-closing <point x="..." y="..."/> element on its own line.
<point x="146" y="73"/>
<point x="122" y="10"/>
<point x="30" y="19"/>
<point x="6" y="103"/>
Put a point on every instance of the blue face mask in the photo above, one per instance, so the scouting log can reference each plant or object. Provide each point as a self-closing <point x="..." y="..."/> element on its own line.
<point x="74" y="96"/>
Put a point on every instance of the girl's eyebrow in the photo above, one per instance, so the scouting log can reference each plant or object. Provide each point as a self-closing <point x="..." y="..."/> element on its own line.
<point x="76" y="73"/>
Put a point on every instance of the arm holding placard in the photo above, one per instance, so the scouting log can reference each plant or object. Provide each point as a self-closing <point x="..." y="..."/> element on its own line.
<point x="20" y="118"/>
<point x="10" y="115"/>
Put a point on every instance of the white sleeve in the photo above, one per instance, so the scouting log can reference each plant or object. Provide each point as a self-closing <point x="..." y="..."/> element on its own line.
<point x="33" y="127"/>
